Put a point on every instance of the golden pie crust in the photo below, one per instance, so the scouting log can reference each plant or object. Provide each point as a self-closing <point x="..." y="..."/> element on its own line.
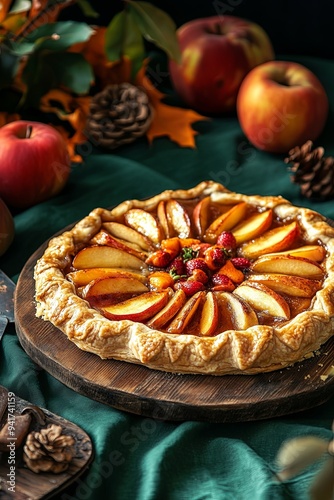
<point x="260" y="348"/>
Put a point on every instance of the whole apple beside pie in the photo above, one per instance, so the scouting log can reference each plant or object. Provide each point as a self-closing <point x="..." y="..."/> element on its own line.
<point x="202" y="280"/>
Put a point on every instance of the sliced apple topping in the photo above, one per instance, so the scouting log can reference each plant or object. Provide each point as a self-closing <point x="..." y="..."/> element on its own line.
<point x="104" y="238"/>
<point x="288" y="264"/>
<point x="225" y="222"/>
<point x="114" y="285"/>
<point x="140" y="308"/>
<point x="169" y="311"/>
<point x="126" y="233"/>
<point x="179" y="219"/>
<point x="185" y="273"/>
<point x="253" y="227"/>
<point x="210" y="315"/>
<point x="105" y="256"/>
<point x="242" y="314"/>
<point x="290" y="285"/>
<point x="263" y="299"/>
<point x="274" y="240"/>
<point x="186" y="314"/>
<point x="311" y="252"/>
<point x="163" y="220"/>
<point x="145" y="223"/>
<point x="83" y="277"/>
<point x="201" y="215"/>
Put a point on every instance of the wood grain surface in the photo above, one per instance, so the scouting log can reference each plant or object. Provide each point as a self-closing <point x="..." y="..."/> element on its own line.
<point x="140" y="390"/>
<point x="32" y="486"/>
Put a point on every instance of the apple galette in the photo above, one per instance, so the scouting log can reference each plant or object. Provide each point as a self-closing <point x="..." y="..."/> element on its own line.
<point x="203" y="280"/>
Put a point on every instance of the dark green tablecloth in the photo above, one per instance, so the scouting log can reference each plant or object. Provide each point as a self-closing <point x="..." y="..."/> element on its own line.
<point x="138" y="457"/>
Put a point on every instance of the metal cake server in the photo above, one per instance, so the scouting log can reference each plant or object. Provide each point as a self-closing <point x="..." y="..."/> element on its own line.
<point x="7" y="289"/>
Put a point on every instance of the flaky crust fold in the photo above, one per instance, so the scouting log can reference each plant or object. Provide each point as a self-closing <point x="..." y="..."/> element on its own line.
<point x="255" y="350"/>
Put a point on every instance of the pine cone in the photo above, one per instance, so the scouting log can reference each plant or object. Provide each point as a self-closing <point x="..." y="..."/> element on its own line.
<point x="48" y="450"/>
<point x="118" y="115"/>
<point x="313" y="172"/>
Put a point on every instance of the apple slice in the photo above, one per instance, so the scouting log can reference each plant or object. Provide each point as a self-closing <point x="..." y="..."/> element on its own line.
<point x="298" y="304"/>
<point x="312" y="252"/>
<point x="242" y="314"/>
<point x="105" y="256"/>
<point x="253" y="227"/>
<point x="287" y="264"/>
<point x="225" y="222"/>
<point x="186" y="314"/>
<point x="178" y="218"/>
<point x="128" y="234"/>
<point x="104" y="238"/>
<point x="113" y="285"/>
<point x="169" y="311"/>
<point x="140" y="308"/>
<point x="163" y="219"/>
<point x="274" y="240"/>
<point x="84" y="276"/>
<point x="263" y="299"/>
<point x="145" y="223"/>
<point x="290" y="285"/>
<point x="201" y="215"/>
<point x="210" y="315"/>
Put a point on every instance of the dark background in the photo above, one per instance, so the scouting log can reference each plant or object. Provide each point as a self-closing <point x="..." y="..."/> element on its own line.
<point x="301" y="27"/>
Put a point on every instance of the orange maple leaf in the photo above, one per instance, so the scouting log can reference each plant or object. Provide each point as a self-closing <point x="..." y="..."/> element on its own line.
<point x="170" y="121"/>
<point x="72" y="109"/>
<point x="4" y="7"/>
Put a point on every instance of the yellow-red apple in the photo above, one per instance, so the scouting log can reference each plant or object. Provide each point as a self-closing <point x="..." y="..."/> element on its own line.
<point x="281" y="105"/>
<point x="34" y="163"/>
<point x="216" y="54"/>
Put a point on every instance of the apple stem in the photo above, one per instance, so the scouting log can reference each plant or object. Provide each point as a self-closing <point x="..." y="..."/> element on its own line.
<point x="28" y="131"/>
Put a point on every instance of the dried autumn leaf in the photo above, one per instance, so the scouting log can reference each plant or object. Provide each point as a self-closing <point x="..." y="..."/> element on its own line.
<point x="74" y="110"/>
<point x="4" y="7"/>
<point x="170" y="121"/>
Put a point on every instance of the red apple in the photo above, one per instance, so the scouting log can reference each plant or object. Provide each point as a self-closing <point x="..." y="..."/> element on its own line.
<point x="216" y="54"/>
<point x="34" y="163"/>
<point x="6" y="228"/>
<point x="281" y="105"/>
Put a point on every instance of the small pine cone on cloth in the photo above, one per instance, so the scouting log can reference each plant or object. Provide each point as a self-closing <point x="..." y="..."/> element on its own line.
<point x="48" y="450"/>
<point x="118" y="115"/>
<point x="312" y="171"/>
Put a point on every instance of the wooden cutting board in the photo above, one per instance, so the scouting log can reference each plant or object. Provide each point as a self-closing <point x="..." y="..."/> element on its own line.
<point x="140" y="390"/>
<point x="18" y="482"/>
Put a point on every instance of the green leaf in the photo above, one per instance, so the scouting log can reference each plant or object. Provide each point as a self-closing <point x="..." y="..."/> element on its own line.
<point x="9" y="63"/>
<point x="123" y="38"/>
<point x="70" y="70"/>
<point x="54" y="37"/>
<point x="87" y="8"/>
<point x="45" y="71"/>
<point x="156" y="26"/>
<point x="37" y="80"/>
<point x="114" y="38"/>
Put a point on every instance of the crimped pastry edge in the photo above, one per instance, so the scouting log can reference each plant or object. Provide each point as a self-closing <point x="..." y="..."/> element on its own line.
<point x="255" y="350"/>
